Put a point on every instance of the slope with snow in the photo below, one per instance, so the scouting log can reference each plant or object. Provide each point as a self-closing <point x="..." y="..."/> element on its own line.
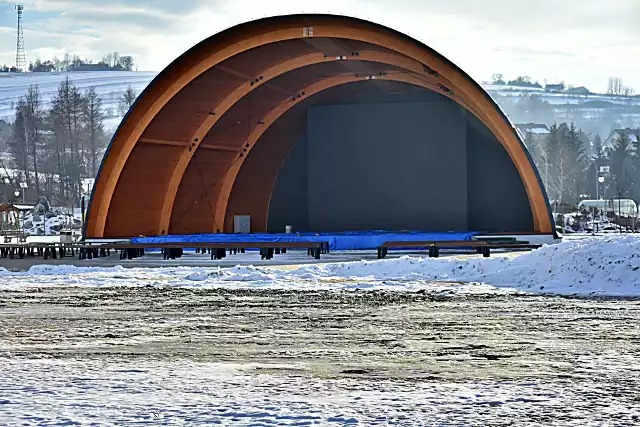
<point x="556" y="97"/>
<point x="109" y="85"/>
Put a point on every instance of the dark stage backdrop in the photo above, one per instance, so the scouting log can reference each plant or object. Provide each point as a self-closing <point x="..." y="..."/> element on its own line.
<point x="392" y="166"/>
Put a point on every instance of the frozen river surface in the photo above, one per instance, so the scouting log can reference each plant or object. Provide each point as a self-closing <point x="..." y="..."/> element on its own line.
<point x="176" y="356"/>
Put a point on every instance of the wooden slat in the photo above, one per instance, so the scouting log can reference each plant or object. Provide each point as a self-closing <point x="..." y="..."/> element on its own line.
<point x="165" y="142"/>
<point x="220" y="147"/>
<point x="249" y="78"/>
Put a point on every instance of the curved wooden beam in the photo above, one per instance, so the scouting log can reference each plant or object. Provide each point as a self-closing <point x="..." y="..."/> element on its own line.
<point x="231" y="175"/>
<point x="243" y="90"/>
<point x="148" y="106"/>
<point x="253" y="35"/>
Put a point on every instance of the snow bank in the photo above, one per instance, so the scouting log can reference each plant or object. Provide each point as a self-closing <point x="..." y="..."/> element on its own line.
<point x="598" y="265"/>
<point x="608" y="265"/>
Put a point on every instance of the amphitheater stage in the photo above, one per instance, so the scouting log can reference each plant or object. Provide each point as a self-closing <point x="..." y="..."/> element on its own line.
<point x="341" y="241"/>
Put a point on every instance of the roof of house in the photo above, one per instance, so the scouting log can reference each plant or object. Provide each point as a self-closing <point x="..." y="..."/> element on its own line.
<point x="631" y="133"/>
<point x="580" y="89"/>
<point x="535" y="128"/>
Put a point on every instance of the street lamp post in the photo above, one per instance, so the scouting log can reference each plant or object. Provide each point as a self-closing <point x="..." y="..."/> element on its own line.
<point x="23" y="186"/>
<point x="17" y="194"/>
<point x="600" y="180"/>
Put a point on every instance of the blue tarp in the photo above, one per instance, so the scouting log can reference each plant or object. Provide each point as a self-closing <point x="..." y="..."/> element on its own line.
<point x="348" y="240"/>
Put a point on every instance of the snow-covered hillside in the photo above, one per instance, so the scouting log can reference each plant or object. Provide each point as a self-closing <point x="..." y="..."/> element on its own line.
<point x="558" y="97"/>
<point x="111" y="84"/>
<point x="108" y="84"/>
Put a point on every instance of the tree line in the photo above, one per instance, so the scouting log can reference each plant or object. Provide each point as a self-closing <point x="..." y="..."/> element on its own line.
<point x="53" y="150"/>
<point x="70" y="62"/>
<point x="617" y="88"/>
<point x="615" y="85"/>
<point x="569" y="164"/>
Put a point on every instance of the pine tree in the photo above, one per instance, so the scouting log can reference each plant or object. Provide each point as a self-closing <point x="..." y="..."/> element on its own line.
<point x="619" y="153"/>
<point x="598" y="159"/>
<point x="127" y="100"/>
<point x="598" y="149"/>
<point x="620" y="156"/>
<point x="579" y="159"/>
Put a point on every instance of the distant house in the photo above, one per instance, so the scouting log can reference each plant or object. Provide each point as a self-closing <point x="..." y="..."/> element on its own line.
<point x="536" y="131"/>
<point x="616" y="133"/>
<point x="579" y="90"/>
<point x="555" y="87"/>
<point x="524" y="83"/>
<point x="101" y="66"/>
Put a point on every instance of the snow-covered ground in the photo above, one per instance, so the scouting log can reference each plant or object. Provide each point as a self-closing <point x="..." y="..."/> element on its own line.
<point x="158" y="355"/>
<point x="328" y="344"/>
<point x="605" y="265"/>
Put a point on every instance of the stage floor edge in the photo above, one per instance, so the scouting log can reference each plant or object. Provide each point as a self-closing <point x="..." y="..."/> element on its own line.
<point x="337" y="241"/>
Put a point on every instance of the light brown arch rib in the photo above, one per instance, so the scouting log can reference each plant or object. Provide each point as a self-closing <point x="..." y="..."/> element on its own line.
<point x="243" y="90"/>
<point x="231" y="175"/>
<point x="253" y="35"/>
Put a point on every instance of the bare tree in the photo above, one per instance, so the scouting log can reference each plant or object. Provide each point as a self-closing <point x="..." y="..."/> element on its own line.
<point x="108" y="59"/>
<point x="561" y="174"/>
<point x="497" y="79"/>
<point x="628" y="91"/>
<point x="66" y="62"/>
<point x="614" y="86"/>
<point x="18" y="140"/>
<point x="27" y="136"/>
<point x="34" y="122"/>
<point x="66" y="119"/>
<point x="94" y="119"/>
<point x="540" y="154"/>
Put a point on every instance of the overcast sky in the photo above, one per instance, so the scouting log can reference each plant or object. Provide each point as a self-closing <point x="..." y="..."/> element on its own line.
<point x="582" y="42"/>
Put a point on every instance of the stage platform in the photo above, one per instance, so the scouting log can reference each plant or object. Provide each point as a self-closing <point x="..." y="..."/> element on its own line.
<point x="356" y="240"/>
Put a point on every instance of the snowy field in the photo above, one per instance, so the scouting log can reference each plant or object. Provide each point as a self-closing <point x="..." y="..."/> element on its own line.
<point x="404" y="341"/>
<point x="176" y="356"/>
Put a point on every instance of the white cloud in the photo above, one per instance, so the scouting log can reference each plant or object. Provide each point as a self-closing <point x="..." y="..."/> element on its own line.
<point x="579" y="41"/>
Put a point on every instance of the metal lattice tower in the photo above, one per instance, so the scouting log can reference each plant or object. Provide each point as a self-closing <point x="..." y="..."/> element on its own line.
<point x="21" y="58"/>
